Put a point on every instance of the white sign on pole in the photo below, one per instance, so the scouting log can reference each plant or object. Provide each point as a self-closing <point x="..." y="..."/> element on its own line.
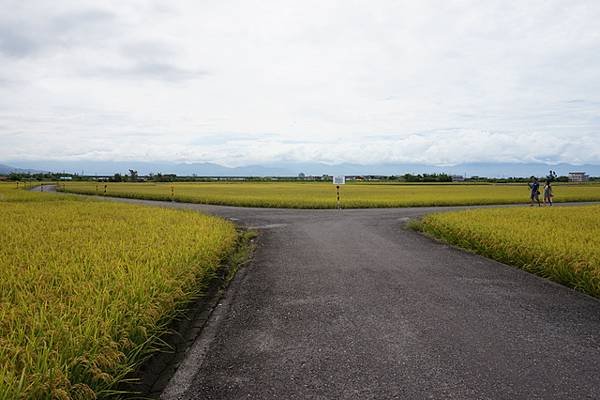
<point x="339" y="180"/>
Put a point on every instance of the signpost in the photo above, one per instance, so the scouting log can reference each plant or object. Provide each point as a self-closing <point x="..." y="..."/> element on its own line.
<point x="337" y="181"/>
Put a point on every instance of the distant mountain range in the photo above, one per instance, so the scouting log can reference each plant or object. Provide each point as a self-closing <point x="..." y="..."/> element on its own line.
<point x="145" y="168"/>
<point x="5" y="169"/>
<point x="496" y="170"/>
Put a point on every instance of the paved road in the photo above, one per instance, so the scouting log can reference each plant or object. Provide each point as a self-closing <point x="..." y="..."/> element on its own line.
<point x="44" y="188"/>
<point x="351" y="305"/>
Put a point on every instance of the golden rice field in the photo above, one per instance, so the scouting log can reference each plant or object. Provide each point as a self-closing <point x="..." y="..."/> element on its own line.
<point x="323" y="195"/>
<point x="11" y="191"/>
<point x="86" y="287"/>
<point x="560" y="243"/>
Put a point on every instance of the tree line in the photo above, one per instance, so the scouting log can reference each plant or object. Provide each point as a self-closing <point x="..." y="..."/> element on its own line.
<point x="133" y="176"/>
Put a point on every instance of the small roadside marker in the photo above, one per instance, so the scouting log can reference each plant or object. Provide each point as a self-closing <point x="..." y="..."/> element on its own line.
<point x="337" y="181"/>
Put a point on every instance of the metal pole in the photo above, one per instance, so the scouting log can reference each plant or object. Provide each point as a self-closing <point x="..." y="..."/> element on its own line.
<point x="338" y="196"/>
<point x="172" y="193"/>
<point x="105" y="189"/>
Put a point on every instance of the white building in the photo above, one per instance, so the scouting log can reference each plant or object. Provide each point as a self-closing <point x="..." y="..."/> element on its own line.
<point x="578" y="177"/>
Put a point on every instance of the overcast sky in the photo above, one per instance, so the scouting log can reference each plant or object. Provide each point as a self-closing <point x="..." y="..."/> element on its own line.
<point x="245" y="82"/>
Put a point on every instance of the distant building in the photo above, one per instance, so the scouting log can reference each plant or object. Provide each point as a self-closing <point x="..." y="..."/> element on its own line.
<point x="355" y="178"/>
<point x="375" y="177"/>
<point x="66" y="178"/>
<point x="578" y="177"/>
<point x="457" y="178"/>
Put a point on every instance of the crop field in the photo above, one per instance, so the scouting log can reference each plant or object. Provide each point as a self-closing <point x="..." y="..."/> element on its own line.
<point x="86" y="287"/>
<point x="561" y="243"/>
<point x="10" y="191"/>
<point x="323" y="195"/>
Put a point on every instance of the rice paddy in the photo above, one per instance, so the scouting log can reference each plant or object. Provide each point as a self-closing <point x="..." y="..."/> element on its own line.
<point x="323" y="195"/>
<point x="560" y="243"/>
<point x="86" y="287"/>
<point x="13" y="191"/>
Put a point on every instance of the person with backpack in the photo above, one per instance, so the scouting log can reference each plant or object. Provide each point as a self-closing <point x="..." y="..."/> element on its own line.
<point x="535" y="191"/>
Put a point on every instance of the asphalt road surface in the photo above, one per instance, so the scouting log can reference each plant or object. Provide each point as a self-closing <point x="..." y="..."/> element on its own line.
<point x="352" y="305"/>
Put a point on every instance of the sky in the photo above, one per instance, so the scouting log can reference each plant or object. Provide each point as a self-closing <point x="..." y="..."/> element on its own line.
<point x="250" y="82"/>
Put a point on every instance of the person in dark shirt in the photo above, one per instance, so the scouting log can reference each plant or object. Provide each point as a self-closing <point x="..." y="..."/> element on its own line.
<point x="535" y="192"/>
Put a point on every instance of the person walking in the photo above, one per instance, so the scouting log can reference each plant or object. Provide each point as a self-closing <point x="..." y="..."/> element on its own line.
<point x="548" y="193"/>
<point x="535" y="191"/>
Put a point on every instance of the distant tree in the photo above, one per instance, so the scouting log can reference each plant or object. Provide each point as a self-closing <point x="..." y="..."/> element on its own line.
<point x="117" y="178"/>
<point x="444" y="178"/>
<point x="159" y="177"/>
<point x="410" y="178"/>
<point x="133" y="175"/>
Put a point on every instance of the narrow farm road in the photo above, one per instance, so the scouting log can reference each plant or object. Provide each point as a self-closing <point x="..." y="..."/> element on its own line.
<point x="352" y="305"/>
<point x="44" y="188"/>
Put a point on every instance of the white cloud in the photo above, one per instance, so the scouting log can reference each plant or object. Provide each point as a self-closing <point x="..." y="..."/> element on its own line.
<point x="243" y="82"/>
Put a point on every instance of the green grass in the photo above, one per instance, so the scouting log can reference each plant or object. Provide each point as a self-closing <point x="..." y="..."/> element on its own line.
<point x="87" y="286"/>
<point x="559" y="243"/>
<point x="323" y="195"/>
